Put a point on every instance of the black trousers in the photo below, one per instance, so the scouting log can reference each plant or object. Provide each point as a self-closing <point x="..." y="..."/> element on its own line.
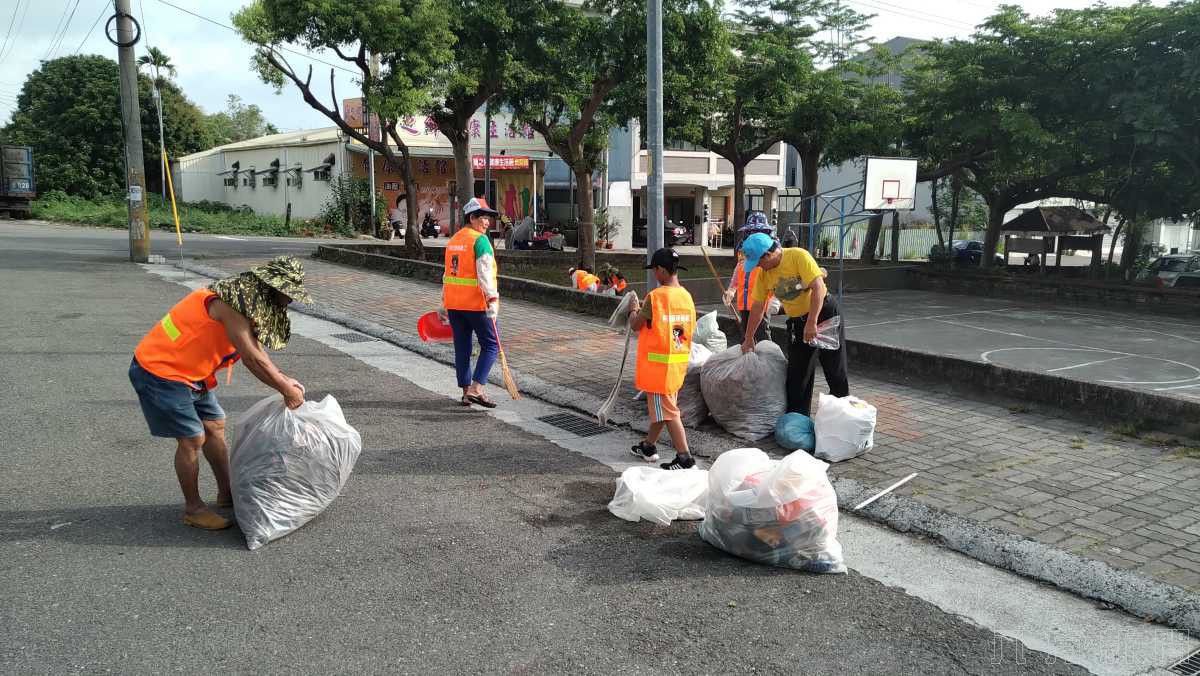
<point x="764" y="327"/>
<point x="802" y="362"/>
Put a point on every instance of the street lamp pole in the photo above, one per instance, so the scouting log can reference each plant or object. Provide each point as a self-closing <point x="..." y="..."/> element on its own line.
<point x="654" y="134"/>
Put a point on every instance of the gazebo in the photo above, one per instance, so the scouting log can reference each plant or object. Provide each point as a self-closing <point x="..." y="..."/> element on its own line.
<point x="1046" y="230"/>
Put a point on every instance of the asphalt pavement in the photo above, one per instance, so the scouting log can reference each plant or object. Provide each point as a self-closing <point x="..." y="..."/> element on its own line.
<point x="461" y="544"/>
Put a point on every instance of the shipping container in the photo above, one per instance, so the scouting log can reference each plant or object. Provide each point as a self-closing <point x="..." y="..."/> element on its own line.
<point x="16" y="180"/>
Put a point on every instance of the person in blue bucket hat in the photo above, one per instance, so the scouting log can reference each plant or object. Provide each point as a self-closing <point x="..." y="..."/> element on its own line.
<point x="794" y="277"/>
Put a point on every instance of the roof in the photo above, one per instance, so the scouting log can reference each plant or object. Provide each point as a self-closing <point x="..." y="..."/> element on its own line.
<point x="304" y="137"/>
<point x="1056" y="221"/>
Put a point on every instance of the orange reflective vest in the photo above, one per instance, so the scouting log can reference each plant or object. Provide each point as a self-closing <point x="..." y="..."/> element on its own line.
<point x="187" y="345"/>
<point x="460" y="281"/>
<point x="744" y="288"/>
<point x="617" y="283"/>
<point x="584" y="279"/>
<point x="665" y="344"/>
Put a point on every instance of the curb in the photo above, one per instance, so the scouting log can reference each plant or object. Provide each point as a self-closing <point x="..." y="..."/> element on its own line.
<point x="1138" y="595"/>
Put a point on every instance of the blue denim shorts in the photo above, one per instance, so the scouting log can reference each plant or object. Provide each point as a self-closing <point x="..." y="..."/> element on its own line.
<point x="172" y="409"/>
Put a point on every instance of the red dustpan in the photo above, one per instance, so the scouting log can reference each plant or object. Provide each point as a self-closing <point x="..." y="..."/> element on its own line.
<point x="431" y="328"/>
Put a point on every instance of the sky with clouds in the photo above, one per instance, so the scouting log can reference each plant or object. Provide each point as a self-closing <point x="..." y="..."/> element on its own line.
<point x="213" y="61"/>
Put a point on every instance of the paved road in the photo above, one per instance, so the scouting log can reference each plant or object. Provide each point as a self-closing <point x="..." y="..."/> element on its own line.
<point x="482" y="549"/>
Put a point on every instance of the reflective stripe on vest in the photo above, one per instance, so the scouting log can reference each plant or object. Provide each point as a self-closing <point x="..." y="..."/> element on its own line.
<point x="665" y="345"/>
<point x="187" y="345"/>
<point x="461" y="281"/>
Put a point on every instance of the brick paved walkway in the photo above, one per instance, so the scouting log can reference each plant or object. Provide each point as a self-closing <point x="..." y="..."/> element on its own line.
<point x="1075" y="486"/>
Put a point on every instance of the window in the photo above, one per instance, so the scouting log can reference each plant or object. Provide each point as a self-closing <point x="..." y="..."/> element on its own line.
<point x="248" y="181"/>
<point x="270" y="181"/>
<point x="321" y="174"/>
<point x="230" y="182"/>
<point x="295" y="180"/>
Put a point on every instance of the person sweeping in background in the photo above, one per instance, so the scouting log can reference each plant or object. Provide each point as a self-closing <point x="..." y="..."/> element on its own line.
<point x="470" y="300"/>
<point x="665" y="323"/>
<point x="583" y="279"/>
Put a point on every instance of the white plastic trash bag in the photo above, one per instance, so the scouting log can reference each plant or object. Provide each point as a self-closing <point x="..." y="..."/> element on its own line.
<point x="779" y="512"/>
<point x="828" y="334"/>
<point x="746" y="393"/>
<point x="287" y="466"/>
<point x="692" y="409"/>
<point x="709" y="334"/>
<point x="845" y="427"/>
<point x="660" y="495"/>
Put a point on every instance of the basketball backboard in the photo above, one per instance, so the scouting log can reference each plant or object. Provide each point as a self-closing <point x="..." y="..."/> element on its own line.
<point x="890" y="184"/>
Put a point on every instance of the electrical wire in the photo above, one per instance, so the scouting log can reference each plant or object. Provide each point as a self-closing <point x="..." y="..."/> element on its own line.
<point x="58" y="29"/>
<point x="920" y="16"/>
<point x="282" y="49"/>
<point x="66" y="27"/>
<point x="20" y="25"/>
<point x="103" y="9"/>
<point x="11" y="23"/>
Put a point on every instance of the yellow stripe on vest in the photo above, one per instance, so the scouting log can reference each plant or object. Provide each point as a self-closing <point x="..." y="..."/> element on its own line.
<point x="461" y="281"/>
<point x="168" y="325"/>
<point x="681" y="358"/>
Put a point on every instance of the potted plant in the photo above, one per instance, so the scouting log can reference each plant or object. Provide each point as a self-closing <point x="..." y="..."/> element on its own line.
<point x="613" y="228"/>
<point x="600" y="221"/>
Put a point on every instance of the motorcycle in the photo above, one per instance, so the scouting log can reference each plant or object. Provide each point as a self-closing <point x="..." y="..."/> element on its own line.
<point x="429" y="226"/>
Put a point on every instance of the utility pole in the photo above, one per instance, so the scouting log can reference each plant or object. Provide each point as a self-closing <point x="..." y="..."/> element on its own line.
<point x="371" y="150"/>
<point x="654" y="134"/>
<point x="487" y="153"/>
<point x="135" y="168"/>
<point x="162" y="144"/>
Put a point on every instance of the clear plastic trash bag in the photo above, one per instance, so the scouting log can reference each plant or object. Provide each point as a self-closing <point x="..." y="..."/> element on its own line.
<point x="692" y="408"/>
<point x="709" y="334"/>
<point x="287" y="466"/>
<point x="828" y="334"/>
<point x="660" y="495"/>
<point x="745" y="393"/>
<point x="845" y="427"/>
<point x="778" y="512"/>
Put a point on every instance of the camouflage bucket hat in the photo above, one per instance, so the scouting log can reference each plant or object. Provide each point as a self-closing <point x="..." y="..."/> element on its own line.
<point x="286" y="275"/>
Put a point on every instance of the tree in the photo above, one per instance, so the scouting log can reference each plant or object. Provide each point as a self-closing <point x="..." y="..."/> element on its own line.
<point x="238" y="122"/>
<point x="760" y="66"/>
<point x="157" y="61"/>
<point x="585" y="76"/>
<point x="411" y="38"/>
<point x="68" y="110"/>
<point x="184" y="127"/>
<point x="490" y="34"/>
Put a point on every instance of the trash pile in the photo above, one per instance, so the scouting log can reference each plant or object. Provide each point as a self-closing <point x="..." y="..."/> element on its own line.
<point x="778" y="512"/>
<point x="794" y="431"/>
<point x="746" y="392"/>
<point x="660" y="495"/>
<point x="692" y="407"/>
<point x="287" y="466"/>
<point x="845" y="428"/>
<point x="709" y="334"/>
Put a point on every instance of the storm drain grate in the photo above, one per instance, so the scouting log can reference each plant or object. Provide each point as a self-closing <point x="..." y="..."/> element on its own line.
<point x="353" y="337"/>
<point x="1188" y="666"/>
<point x="574" y="424"/>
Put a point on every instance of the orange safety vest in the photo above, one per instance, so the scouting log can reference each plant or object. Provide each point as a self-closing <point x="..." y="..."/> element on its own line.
<point x="187" y="345"/>
<point x="617" y="283"/>
<point x="743" y="287"/>
<point x="460" y="281"/>
<point x="584" y="279"/>
<point x="666" y="343"/>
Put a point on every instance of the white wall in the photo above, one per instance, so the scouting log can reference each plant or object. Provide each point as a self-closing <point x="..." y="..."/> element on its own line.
<point x="200" y="180"/>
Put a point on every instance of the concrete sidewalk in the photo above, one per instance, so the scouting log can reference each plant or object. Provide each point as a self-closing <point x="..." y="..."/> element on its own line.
<point x="1076" y="488"/>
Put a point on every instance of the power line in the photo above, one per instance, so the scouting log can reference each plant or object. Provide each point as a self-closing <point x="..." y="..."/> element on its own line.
<point x="920" y="16"/>
<point x="57" y="28"/>
<point x="11" y="22"/>
<point x="20" y="25"/>
<point x="63" y="34"/>
<point x="103" y="9"/>
<point x="281" y="48"/>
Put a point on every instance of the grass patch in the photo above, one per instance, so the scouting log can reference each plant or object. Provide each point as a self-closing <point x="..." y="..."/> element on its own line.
<point x="1018" y="408"/>
<point x="206" y="217"/>
<point x="1182" y="452"/>
<point x="1078" y="444"/>
<point x="1131" y="428"/>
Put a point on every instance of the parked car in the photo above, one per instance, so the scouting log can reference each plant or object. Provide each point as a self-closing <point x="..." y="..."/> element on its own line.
<point x="970" y="252"/>
<point x="674" y="234"/>
<point x="1188" y="280"/>
<point x="1165" y="271"/>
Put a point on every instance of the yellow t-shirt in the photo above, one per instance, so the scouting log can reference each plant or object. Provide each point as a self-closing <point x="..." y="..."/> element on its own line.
<point x="789" y="281"/>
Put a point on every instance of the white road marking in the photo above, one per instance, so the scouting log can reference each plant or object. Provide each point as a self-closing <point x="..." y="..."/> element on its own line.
<point x="1090" y="363"/>
<point x="232" y="239"/>
<point x="1177" y="387"/>
<point x="919" y="319"/>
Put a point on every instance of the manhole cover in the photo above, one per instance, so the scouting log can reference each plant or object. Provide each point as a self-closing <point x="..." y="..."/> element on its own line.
<point x="1188" y="666"/>
<point x="353" y="337"/>
<point x="574" y="424"/>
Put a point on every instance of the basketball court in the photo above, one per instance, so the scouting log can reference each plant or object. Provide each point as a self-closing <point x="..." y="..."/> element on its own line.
<point x="1143" y="352"/>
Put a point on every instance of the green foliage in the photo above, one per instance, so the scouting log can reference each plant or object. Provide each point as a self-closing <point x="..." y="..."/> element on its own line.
<point x="207" y="217"/>
<point x="156" y="61"/>
<point x="972" y="210"/>
<point x="68" y="110"/>
<point x="348" y="208"/>
<point x="238" y="122"/>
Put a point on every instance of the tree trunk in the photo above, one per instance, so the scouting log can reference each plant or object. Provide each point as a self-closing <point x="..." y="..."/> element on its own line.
<point x="955" y="194"/>
<point x="937" y="213"/>
<point x="871" y="241"/>
<point x="996" y="211"/>
<point x="1112" y="246"/>
<point x="895" y="236"/>
<point x="412" y="231"/>
<point x="586" y="228"/>
<point x="464" y="173"/>
<point x="1134" y="232"/>
<point x="739" y="193"/>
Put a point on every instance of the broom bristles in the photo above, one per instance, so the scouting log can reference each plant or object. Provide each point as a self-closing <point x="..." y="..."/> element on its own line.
<point x="509" y="383"/>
